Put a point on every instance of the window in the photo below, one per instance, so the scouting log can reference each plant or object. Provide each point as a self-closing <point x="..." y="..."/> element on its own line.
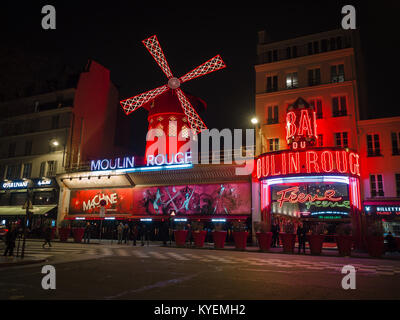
<point x="291" y="52"/>
<point x="13" y="172"/>
<point x="324" y="45"/>
<point x="51" y="168"/>
<point x="314" y="77"/>
<point x="42" y="169"/>
<point x="395" y="143"/>
<point x="26" y="173"/>
<point x="28" y="147"/>
<point x="376" y="184"/>
<point x="332" y="43"/>
<point x="341" y="139"/>
<point x="397" y="177"/>
<point x="316" y="46"/>
<point x="185" y="132"/>
<point x="272" y="115"/>
<point x="373" y="145"/>
<point x="339" y="106"/>
<point x="11" y="149"/>
<point x="273" y="144"/>
<point x="272" y="83"/>
<point x="317" y="104"/>
<point x="55" y="121"/>
<point x="292" y="80"/>
<point x="320" y="140"/>
<point x="337" y="73"/>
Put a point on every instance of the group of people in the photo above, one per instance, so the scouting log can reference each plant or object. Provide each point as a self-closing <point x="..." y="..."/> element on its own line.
<point x="301" y="236"/>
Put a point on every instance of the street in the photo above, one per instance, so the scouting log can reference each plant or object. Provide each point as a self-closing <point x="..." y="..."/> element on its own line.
<point x="153" y="272"/>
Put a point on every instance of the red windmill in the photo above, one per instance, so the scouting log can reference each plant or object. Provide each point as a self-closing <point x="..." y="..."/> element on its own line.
<point x="170" y="109"/>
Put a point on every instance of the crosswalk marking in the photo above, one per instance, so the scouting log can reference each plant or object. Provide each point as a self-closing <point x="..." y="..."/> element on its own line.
<point x="139" y="254"/>
<point x="177" y="256"/>
<point x="158" y="255"/>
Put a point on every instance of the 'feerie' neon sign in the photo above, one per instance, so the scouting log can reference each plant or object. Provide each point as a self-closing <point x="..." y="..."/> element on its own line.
<point x="292" y="195"/>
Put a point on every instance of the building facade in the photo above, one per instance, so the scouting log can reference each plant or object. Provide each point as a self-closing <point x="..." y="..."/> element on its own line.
<point x="326" y="71"/>
<point x="45" y="134"/>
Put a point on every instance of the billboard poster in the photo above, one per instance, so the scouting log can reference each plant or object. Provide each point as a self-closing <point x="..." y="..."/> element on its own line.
<point x="209" y="199"/>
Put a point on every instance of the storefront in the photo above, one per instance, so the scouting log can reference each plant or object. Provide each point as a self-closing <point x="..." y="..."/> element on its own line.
<point x="152" y="195"/>
<point x="386" y="211"/>
<point x="39" y="195"/>
<point x="309" y="184"/>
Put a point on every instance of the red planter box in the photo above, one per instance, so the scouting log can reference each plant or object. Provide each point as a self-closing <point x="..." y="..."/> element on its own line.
<point x="64" y="233"/>
<point x="199" y="237"/>
<point x="219" y="239"/>
<point x="316" y="242"/>
<point x="180" y="237"/>
<point x="264" y="240"/>
<point x="240" y="238"/>
<point x="376" y="246"/>
<point x="78" y="234"/>
<point x="344" y="244"/>
<point x="288" y="241"/>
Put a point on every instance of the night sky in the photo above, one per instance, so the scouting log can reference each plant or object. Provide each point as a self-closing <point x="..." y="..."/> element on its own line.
<point x="111" y="32"/>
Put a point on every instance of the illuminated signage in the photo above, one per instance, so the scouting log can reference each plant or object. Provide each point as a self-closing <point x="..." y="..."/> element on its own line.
<point x="146" y="219"/>
<point x="15" y="184"/>
<point x="163" y="159"/>
<point x="95" y="202"/>
<point x="301" y="125"/>
<point x="44" y="183"/>
<point x="290" y="162"/>
<point x="327" y="200"/>
<point x="218" y="220"/>
<point x="383" y="210"/>
<point x="112" y="164"/>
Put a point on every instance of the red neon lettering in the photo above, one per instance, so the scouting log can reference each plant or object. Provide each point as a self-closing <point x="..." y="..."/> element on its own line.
<point x="283" y="163"/>
<point x="290" y="124"/>
<point x="294" y="163"/>
<point x="341" y="168"/>
<point x="354" y="164"/>
<point x="311" y="159"/>
<point x="295" y="197"/>
<point x="305" y="124"/>
<point x="265" y="166"/>
<point x="324" y="162"/>
<point x="273" y="166"/>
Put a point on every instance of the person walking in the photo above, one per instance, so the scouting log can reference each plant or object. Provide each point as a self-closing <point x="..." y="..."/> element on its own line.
<point x="302" y="235"/>
<point x="86" y="235"/>
<point x="47" y="236"/>
<point x="120" y="230"/>
<point x="126" y="233"/>
<point x="10" y="240"/>
<point x="135" y="232"/>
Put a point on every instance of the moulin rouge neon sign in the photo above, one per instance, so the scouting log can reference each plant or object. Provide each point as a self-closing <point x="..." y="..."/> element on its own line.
<point x="328" y="199"/>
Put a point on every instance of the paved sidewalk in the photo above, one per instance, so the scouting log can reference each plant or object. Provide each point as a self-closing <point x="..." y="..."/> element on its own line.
<point x="14" y="261"/>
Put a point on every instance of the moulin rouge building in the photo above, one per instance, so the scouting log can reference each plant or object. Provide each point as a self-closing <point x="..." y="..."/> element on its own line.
<point x="346" y="168"/>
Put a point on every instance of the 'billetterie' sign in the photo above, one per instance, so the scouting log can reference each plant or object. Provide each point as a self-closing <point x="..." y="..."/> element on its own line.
<point x="309" y="161"/>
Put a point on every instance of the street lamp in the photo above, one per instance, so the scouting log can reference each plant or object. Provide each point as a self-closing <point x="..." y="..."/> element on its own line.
<point x="256" y="123"/>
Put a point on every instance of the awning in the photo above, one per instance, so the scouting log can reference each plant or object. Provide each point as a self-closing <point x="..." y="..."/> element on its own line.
<point x="17" y="210"/>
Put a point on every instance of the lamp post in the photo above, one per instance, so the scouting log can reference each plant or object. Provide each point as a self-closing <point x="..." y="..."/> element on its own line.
<point x="256" y="123"/>
<point x="28" y="205"/>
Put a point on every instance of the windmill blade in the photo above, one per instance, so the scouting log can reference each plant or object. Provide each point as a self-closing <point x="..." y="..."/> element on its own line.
<point x="131" y="104"/>
<point x="154" y="48"/>
<point x="195" y="121"/>
<point x="211" y="65"/>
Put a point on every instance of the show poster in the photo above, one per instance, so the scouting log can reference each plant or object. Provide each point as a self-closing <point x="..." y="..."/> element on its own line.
<point x="210" y="199"/>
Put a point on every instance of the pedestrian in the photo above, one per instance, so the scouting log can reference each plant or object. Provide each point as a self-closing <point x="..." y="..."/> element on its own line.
<point x="164" y="233"/>
<point x="134" y="232"/>
<point x="10" y="240"/>
<point x="189" y="228"/>
<point x="143" y="233"/>
<point x="391" y="242"/>
<point x="47" y="236"/>
<point x="120" y="230"/>
<point x="302" y="235"/>
<point x="86" y="235"/>
<point x="125" y="233"/>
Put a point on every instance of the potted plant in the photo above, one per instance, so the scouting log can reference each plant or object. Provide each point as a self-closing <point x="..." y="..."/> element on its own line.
<point x="199" y="235"/>
<point x="64" y="230"/>
<point x="180" y="234"/>
<point x="288" y="237"/>
<point x="78" y="230"/>
<point x="219" y="236"/>
<point x="375" y="240"/>
<point x="344" y="239"/>
<point x="264" y="237"/>
<point x="240" y="235"/>
<point x="316" y="238"/>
